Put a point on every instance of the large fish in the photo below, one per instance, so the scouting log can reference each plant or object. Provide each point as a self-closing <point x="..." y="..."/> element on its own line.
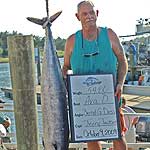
<point x="53" y="93"/>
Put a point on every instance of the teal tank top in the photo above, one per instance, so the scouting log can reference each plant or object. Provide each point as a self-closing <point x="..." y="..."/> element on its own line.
<point x="93" y="57"/>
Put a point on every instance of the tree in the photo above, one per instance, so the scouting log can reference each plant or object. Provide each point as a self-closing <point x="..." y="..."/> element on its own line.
<point x="60" y="43"/>
<point x="38" y="42"/>
<point x="1" y="51"/>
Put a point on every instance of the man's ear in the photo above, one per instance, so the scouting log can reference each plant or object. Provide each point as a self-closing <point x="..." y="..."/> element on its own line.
<point x="77" y="16"/>
<point x="97" y="12"/>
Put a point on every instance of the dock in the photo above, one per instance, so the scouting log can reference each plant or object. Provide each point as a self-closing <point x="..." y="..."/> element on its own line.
<point x="9" y="93"/>
<point x="76" y="146"/>
<point x="135" y="97"/>
<point x="138" y="97"/>
<point x="83" y="146"/>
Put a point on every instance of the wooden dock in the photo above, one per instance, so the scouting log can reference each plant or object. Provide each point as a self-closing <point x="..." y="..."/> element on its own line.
<point x="77" y="146"/>
<point x="138" y="97"/>
<point x="83" y="146"/>
<point x="140" y="103"/>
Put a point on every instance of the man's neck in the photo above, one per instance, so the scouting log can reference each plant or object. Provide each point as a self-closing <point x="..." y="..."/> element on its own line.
<point x="90" y="34"/>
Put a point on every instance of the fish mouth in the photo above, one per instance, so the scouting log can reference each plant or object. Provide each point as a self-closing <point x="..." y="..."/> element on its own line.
<point x="44" y="21"/>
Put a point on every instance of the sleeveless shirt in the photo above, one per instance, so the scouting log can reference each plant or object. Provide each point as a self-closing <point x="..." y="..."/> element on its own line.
<point x="101" y="58"/>
<point x="94" y="57"/>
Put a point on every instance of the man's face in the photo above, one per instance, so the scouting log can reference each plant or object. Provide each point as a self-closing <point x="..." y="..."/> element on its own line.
<point x="87" y="15"/>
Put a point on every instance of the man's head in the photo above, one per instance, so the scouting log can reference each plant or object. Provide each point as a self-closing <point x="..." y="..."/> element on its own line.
<point x="84" y="2"/>
<point x="86" y="13"/>
<point x="130" y="42"/>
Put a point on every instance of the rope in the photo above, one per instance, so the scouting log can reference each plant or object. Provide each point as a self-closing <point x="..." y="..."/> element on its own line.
<point x="47" y="9"/>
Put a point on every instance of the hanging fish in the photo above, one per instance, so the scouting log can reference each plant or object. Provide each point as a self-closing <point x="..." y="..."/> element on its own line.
<point x="53" y="93"/>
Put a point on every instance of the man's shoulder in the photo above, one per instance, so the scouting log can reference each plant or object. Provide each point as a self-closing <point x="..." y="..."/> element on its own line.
<point x="71" y="38"/>
<point x="111" y="32"/>
<point x="70" y="42"/>
<point x="73" y="34"/>
<point x="112" y="35"/>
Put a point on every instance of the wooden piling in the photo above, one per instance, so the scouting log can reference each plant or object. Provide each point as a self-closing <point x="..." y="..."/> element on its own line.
<point x="21" y="58"/>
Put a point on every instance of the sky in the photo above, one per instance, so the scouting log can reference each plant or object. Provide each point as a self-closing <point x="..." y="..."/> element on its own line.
<point x="120" y="15"/>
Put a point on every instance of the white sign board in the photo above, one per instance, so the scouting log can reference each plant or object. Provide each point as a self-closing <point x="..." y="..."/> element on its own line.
<point x="93" y="108"/>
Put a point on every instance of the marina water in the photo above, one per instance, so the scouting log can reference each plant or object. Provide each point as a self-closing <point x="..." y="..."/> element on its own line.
<point x="5" y="82"/>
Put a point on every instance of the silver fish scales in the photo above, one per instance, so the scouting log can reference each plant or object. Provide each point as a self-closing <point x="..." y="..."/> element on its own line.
<point x="53" y="93"/>
<point x="54" y="107"/>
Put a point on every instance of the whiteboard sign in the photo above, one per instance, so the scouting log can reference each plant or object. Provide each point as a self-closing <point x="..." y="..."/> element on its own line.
<point x="93" y="108"/>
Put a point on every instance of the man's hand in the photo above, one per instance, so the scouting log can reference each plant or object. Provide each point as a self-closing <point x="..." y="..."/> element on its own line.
<point x="118" y="91"/>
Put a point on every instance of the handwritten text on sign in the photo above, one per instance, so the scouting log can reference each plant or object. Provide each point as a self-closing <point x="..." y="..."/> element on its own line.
<point x="93" y="109"/>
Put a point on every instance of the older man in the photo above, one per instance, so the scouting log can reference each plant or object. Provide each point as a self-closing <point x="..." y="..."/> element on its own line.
<point x="97" y="50"/>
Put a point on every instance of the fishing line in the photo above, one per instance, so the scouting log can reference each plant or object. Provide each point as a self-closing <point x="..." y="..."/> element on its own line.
<point x="47" y="9"/>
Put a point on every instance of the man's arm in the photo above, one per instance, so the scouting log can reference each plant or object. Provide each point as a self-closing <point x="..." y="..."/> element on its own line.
<point x="122" y="61"/>
<point x="135" y="121"/>
<point x="67" y="55"/>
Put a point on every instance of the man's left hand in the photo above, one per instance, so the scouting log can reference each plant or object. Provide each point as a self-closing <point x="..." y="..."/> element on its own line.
<point x="118" y="91"/>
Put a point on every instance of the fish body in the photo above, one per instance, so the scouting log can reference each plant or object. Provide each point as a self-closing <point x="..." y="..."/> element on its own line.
<point x="53" y="93"/>
<point x="54" y="104"/>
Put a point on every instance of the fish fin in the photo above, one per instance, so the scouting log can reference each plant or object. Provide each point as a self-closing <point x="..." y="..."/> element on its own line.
<point x="44" y="21"/>
<point x="37" y="21"/>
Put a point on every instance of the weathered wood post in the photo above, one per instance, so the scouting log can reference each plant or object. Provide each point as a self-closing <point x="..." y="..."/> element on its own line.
<point x="23" y="77"/>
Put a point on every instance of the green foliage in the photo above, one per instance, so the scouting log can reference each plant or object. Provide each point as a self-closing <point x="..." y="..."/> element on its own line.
<point x="5" y="53"/>
<point x="60" y="53"/>
<point x="38" y="42"/>
<point x="60" y="43"/>
<point x="1" y="51"/>
<point x="3" y="41"/>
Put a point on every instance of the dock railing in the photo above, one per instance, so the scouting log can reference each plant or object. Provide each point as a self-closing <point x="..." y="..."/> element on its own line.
<point x="73" y="146"/>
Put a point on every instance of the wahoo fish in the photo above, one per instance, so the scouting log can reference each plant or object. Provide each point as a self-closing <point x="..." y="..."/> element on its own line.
<point x="53" y="93"/>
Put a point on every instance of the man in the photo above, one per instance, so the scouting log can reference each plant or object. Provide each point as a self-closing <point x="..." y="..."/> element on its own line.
<point x="96" y="50"/>
<point x="133" y="51"/>
<point x="126" y="48"/>
<point x="130" y="122"/>
<point x="6" y="122"/>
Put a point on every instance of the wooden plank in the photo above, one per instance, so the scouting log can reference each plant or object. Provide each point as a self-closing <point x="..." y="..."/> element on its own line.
<point x="21" y="58"/>
<point x="82" y="146"/>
